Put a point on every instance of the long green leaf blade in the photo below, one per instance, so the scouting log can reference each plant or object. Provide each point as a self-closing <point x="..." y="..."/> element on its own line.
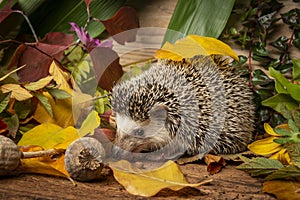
<point x="201" y="17"/>
<point x="52" y="15"/>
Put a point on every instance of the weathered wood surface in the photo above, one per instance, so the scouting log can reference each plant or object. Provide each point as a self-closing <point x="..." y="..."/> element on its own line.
<point x="228" y="184"/>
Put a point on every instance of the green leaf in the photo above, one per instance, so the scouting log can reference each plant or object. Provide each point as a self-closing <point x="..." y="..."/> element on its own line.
<point x="201" y="17"/>
<point x="282" y="132"/>
<point x="59" y="94"/>
<point x="281" y="103"/>
<point x="293" y="126"/>
<point x="260" y="166"/>
<point x="283" y="85"/>
<point x="281" y="81"/>
<point x="259" y="49"/>
<point x="296" y="117"/>
<point x="23" y="108"/>
<point x="287" y="172"/>
<point x="4" y="100"/>
<point x="13" y="124"/>
<point x="283" y="140"/>
<point x="296" y="69"/>
<point x="294" y="153"/>
<point x="260" y="78"/>
<point x="45" y="102"/>
<point x="49" y="16"/>
<point x="91" y="122"/>
<point x="101" y="101"/>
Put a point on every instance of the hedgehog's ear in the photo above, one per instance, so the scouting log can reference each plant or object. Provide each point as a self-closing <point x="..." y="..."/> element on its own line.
<point x="159" y="112"/>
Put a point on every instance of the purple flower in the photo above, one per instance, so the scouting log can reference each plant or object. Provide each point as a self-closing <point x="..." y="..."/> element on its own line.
<point x="88" y="42"/>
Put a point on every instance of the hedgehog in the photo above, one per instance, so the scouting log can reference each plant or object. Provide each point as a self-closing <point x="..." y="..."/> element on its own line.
<point x="183" y="108"/>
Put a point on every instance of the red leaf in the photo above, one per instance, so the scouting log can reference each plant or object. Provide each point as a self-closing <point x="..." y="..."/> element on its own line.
<point x="107" y="67"/>
<point x="38" y="62"/>
<point x="105" y="116"/>
<point x="5" y="11"/>
<point x="125" y="19"/>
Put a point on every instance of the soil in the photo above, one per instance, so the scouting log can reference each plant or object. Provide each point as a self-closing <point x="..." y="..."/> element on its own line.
<point x="230" y="183"/>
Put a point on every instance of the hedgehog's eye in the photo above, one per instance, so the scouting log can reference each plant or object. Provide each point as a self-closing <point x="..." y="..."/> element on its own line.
<point x="139" y="132"/>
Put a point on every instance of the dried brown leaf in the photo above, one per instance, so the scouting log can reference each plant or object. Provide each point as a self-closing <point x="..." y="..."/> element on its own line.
<point x="214" y="163"/>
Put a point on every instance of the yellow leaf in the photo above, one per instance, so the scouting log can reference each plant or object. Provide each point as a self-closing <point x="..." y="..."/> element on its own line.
<point x="17" y="92"/>
<point x="59" y="76"/>
<point x="148" y="183"/>
<point x="65" y="111"/>
<point x="282" y="156"/>
<point x="49" y="167"/>
<point x="62" y="111"/>
<point x="265" y="146"/>
<point x="91" y="122"/>
<point x="283" y="189"/>
<point x="49" y="136"/>
<point x="270" y="130"/>
<point x="193" y="45"/>
<point x="34" y="86"/>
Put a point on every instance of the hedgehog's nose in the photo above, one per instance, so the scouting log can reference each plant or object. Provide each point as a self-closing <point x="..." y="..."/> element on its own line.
<point x="117" y="152"/>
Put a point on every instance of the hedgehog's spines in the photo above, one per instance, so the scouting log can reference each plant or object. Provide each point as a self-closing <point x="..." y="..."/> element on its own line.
<point x="207" y="82"/>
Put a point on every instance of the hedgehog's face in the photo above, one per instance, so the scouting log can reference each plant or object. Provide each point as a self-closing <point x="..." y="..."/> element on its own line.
<point x="141" y="136"/>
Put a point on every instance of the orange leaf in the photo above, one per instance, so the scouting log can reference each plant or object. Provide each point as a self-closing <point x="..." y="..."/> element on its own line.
<point x="44" y="166"/>
<point x="283" y="189"/>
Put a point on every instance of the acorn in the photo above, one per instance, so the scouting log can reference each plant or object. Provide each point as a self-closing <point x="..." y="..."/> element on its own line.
<point x="9" y="156"/>
<point x="84" y="159"/>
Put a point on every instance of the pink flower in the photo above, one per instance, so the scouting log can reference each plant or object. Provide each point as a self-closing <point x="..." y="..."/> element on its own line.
<point x="88" y="42"/>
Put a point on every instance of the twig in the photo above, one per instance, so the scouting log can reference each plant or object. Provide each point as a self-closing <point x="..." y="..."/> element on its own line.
<point x="28" y="22"/>
<point x="11" y="72"/>
<point x="35" y="154"/>
<point x="287" y="48"/>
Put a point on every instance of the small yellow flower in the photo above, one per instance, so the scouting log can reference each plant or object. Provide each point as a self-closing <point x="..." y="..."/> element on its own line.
<point x="267" y="147"/>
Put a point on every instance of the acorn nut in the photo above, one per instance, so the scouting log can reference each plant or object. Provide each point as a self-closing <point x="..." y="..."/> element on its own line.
<point x="9" y="156"/>
<point x="84" y="159"/>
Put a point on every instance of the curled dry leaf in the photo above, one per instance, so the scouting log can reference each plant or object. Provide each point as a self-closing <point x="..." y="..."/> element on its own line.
<point x="150" y="182"/>
<point x="214" y="163"/>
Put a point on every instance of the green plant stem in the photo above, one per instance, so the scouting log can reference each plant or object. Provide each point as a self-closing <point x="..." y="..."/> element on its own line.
<point x="287" y="48"/>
